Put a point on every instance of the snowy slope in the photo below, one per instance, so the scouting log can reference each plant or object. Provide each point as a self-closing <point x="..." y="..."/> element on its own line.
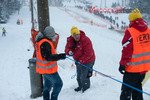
<point x="14" y="76"/>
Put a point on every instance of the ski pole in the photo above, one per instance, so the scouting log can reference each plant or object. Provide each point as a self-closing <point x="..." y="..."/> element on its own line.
<point x="110" y="77"/>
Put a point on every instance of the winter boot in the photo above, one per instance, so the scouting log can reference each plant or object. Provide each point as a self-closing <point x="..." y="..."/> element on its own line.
<point x="77" y="89"/>
<point x="83" y="90"/>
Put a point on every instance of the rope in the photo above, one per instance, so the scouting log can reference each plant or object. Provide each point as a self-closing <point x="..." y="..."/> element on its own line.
<point x="110" y="77"/>
<point x="73" y="76"/>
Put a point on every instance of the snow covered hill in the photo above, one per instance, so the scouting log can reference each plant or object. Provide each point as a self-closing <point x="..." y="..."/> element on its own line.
<point x="14" y="75"/>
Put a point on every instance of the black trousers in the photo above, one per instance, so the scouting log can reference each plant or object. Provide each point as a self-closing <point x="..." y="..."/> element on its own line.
<point x="3" y="34"/>
<point x="135" y="80"/>
<point x="82" y="73"/>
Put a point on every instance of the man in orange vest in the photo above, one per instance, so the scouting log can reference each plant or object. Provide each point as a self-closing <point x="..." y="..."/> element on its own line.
<point x="46" y="63"/>
<point x="135" y="60"/>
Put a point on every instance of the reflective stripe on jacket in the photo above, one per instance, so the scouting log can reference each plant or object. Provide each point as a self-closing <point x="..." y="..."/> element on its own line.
<point x="140" y="60"/>
<point x="43" y="66"/>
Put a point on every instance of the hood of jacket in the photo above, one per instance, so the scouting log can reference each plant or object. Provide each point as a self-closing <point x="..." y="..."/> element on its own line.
<point x="39" y="37"/>
<point x="82" y="35"/>
<point x="139" y="24"/>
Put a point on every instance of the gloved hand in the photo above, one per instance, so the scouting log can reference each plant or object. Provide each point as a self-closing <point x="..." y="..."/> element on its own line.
<point x="62" y="56"/>
<point x="70" y="53"/>
<point x="122" y="69"/>
<point x="90" y="73"/>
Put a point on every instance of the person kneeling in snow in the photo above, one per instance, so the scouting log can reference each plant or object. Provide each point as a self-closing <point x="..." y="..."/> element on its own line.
<point x="80" y="47"/>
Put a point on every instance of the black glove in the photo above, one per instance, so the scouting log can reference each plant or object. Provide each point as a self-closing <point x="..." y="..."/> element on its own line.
<point x="90" y="73"/>
<point x="122" y="69"/>
<point x="77" y="63"/>
<point x="62" y="56"/>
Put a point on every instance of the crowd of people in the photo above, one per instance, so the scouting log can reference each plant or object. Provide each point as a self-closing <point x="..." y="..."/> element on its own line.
<point x="18" y="23"/>
<point x="134" y="61"/>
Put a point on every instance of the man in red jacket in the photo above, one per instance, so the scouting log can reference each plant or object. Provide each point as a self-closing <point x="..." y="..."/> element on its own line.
<point x="135" y="62"/>
<point x="80" y="47"/>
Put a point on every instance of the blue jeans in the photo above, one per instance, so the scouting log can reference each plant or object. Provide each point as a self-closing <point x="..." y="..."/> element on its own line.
<point x="52" y="80"/>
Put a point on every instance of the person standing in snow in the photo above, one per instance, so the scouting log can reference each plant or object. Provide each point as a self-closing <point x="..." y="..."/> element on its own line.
<point x="46" y="63"/>
<point x="18" y="22"/>
<point x="21" y="21"/>
<point x="135" y="61"/>
<point x="80" y="47"/>
<point x="3" y="32"/>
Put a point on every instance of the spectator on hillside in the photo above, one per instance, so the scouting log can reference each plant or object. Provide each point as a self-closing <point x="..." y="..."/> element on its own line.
<point x="117" y="25"/>
<point x="91" y="22"/>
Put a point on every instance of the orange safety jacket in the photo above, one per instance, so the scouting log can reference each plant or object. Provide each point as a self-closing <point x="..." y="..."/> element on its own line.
<point x="43" y="66"/>
<point x="140" y="60"/>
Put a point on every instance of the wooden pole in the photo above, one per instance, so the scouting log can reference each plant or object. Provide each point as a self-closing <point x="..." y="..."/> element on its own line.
<point x="43" y="14"/>
<point x="43" y="21"/>
<point x="32" y="15"/>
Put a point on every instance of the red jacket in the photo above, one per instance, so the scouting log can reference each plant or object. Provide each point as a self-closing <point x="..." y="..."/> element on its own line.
<point x="127" y="41"/>
<point x="83" y="52"/>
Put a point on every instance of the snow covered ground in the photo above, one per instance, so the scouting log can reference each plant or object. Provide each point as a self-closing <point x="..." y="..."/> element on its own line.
<point x="14" y="75"/>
